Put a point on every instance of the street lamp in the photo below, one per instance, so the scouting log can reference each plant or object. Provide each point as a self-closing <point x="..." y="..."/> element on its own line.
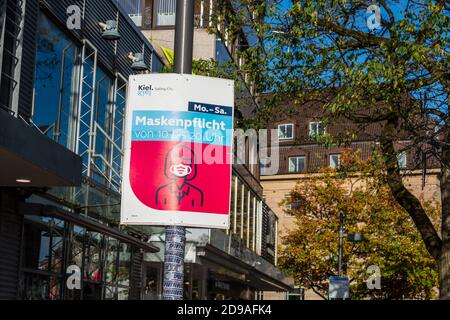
<point x="110" y="30"/>
<point x="138" y="63"/>
<point x="352" y="237"/>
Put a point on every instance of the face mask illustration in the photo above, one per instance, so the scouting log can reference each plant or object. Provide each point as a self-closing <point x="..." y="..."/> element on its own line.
<point x="180" y="170"/>
<point x="181" y="192"/>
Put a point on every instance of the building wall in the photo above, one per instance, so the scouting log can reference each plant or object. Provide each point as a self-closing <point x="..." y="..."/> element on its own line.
<point x="10" y="241"/>
<point x="205" y="43"/>
<point x="363" y="138"/>
<point x="99" y="67"/>
<point x="277" y="187"/>
<point x="17" y="274"/>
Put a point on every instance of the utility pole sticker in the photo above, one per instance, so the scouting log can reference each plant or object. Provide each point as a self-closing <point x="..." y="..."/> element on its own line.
<point x="173" y="263"/>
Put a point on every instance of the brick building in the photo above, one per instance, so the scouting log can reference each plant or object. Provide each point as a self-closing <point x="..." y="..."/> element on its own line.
<point x="301" y="156"/>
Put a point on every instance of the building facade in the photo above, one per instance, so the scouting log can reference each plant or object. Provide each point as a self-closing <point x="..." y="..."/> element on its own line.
<point x="301" y="157"/>
<point x="251" y="238"/>
<point x="63" y="90"/>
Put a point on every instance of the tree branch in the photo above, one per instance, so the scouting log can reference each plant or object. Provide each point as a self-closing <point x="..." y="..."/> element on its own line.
<point x="403" y="196"/>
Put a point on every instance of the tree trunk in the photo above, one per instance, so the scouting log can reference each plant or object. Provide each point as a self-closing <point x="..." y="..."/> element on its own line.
<point x="444" y="262"/>
<point x="402" y="195"/>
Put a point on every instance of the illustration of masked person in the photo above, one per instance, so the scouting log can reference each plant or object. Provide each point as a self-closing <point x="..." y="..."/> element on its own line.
<point x="180" y="167"/>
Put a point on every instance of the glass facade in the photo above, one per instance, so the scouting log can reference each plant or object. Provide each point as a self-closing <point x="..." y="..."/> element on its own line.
<point x="244" y="213"/>
<point x="55" y="82"/>
<point x="80" y="103"/>
<point x="51" y="246"/>
<point x="43" y="249"/>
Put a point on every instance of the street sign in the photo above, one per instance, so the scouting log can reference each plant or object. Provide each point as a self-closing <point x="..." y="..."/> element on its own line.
<point x="339" y="288"/>
<point x="178" y="151"/>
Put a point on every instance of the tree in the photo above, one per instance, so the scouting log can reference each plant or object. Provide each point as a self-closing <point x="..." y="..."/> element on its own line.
<point x="360" y="190"/>
<point x="227" y="70"/>
<point x="395" y="75"/>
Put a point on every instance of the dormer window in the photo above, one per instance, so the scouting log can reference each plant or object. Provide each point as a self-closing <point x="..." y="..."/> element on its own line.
<point x="316" y="128"/>
<point x="297" y="164"/>
<point x="286" y="131"/>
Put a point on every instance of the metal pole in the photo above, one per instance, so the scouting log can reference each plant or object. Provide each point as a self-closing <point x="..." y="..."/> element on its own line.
<point x="184" y="36"/>
<point x="173" y="283"/>
<point x="341" y="237"/>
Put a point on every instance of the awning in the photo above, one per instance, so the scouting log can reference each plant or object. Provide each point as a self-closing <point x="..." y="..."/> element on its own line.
<point x="26" y="154"/>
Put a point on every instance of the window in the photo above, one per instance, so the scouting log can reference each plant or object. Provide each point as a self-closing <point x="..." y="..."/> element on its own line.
<point x="288" y="200"/>
<point x="233" y="204"/>
<point x="51" y="245"/>
<point x="93" y="256"/>
<point x="165" y="12"/>
<point x="103" y="116"/>
<point x="252" y="229"/>
<point x="290" y="204"/>
<point x="110" y="271"/>
<point x="402" y="161"/>
<point x="335" y="161"/>
<point x="285" y="131"/>
<point x="297" y="294"/>
<point x="245" y="206"/>
<point x="222" y="55"/>
<point x="123" y="277"/>
<point x="43" y="243"/>
<point x="239" y="207"/>
<point x="43" y="250"/>
<point x="316" y="128"/>
<point x="118" y="128"/>
<point x="271" y="229"/>
<point x="296" y="164"/>
<point x="55" y="83"/>
<point x="152" y="282"/>
<point x="131" y="7"/>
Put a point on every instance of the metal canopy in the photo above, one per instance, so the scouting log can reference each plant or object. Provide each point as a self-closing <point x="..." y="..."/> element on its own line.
<point x="51" y="211"/>
<point x="25" y="153"/>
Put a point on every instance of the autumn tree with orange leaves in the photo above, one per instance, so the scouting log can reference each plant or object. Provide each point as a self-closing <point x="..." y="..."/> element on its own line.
<point x="358" y="189"/>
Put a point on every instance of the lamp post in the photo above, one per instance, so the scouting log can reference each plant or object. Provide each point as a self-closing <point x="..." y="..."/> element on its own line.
<point x="352" y="237"/>
<point x="341" y="239"/>
<point x="339" y="286"/>
<point x="173" y="282"/>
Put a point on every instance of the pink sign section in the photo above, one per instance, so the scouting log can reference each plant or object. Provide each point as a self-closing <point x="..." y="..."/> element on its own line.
<point x="174" y="176"/>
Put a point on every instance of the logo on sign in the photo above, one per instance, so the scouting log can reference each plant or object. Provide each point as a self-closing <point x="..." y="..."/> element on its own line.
<point x="145" y="90"/>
